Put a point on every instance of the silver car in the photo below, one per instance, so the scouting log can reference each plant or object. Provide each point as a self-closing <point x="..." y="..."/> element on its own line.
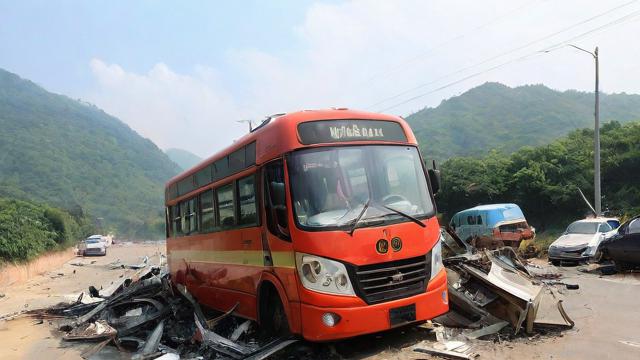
<point x="581" y="240"/>
<point x="92" y="246"/>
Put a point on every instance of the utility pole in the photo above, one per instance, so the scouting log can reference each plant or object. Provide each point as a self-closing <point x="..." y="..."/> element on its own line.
<point x="596" y="156"/>
<point x="596" y="137"/>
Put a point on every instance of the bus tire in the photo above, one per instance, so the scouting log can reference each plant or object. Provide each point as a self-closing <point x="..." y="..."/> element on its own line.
<point x="273" y="318"/>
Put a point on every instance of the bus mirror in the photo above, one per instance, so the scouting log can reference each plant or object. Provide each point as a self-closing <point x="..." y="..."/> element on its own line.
<point x="434" y="178"/>
<point x="278" y="201"/>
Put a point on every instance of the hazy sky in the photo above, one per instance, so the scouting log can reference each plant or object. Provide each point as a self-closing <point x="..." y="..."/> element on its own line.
<point x="183" y="73"/>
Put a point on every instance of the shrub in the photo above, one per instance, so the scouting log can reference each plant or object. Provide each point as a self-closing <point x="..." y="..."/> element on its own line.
<point x="28" y="230"/>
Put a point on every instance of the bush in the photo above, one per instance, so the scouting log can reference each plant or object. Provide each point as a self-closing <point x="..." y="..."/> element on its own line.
<point x="28" y="230"/>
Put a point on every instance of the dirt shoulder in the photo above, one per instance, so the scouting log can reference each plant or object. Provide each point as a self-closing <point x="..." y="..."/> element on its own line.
<point x="25" y="339"/>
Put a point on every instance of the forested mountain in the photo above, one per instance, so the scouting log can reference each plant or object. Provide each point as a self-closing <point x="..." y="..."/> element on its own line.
<point x="495" y="116"/>
<point x="72" y="155"/>
<point x="185" y="159"/>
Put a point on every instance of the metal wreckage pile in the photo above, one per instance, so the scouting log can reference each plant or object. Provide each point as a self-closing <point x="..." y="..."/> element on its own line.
<point x="146" y="317"/>
<point x="493" y="295"/>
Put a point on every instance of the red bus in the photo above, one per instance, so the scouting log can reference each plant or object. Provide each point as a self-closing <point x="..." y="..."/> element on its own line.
<point x="317" y="223"/>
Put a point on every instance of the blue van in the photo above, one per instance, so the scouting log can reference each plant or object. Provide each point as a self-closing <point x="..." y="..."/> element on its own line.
<point x="499" y="223"/>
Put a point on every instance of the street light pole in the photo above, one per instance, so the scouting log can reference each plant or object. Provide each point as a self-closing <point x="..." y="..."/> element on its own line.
<point x="596" y="137"/>
<point x="596" y="156"/>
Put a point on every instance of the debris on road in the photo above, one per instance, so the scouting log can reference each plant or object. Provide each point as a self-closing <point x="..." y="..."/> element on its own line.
<point x="492" y="289"/>
<point x="119" y="265"/>
<point x="568" y="286"/>
<point x="145" y="318"/>
<point x="447" y="354"/>
<point x="93" y="331"/>
<point x="598" y="269"/>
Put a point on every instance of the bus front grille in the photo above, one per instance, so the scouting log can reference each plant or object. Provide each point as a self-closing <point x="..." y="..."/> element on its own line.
<point x="392" y="280"/>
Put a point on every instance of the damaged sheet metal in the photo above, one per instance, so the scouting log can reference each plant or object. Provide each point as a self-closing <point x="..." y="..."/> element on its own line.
<point x="222" y="344"/>
<point x="92" y="331"/>
<point x="142" y="264"/>
<point x="488" y="288"/>
<point x="145" y="316"/>
<point x="517" y="296"/>
<point x="447" y="354"/>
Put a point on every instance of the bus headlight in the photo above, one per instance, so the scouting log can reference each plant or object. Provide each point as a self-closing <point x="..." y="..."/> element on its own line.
<point x="323" y="275"/>
<point x="436" y="258"/>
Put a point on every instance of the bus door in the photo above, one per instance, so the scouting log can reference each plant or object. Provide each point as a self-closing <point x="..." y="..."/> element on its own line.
<point x="278" y="249"/>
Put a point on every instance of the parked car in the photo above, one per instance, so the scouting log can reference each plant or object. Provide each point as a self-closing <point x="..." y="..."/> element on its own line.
<point x="581" y="240"/>
<point x="107" y="240"/>
<point x="501" y="223"/>
<point x="92" y="246"/>
<point x="624" y="246"/>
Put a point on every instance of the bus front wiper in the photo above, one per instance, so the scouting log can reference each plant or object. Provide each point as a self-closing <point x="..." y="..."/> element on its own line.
<point x="355" y="223"/>
<point x="405" y="215"/>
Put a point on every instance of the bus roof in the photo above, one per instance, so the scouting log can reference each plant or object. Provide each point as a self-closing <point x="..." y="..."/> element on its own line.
<point x="281" y="133"/>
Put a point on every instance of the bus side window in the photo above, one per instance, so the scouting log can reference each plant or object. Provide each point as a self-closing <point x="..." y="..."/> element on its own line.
<point x="479" y="220"/>
<point x="226" y="212"/>
<point x="184" y="216"/>
<point x="275" y="199"/>
<point x="207" y="215"/>
<point x="193" y="215"/>
<point x="247" y="201"/>
<point x="177" y="220"/>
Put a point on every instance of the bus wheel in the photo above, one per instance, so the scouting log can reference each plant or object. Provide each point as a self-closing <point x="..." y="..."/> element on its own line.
<point x="273" y="319"/>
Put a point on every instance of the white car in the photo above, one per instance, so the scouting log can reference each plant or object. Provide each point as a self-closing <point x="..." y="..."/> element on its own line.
<point x="92" y="246"/>
<point x="581" y="240"/>
<point x="107" y="240"/>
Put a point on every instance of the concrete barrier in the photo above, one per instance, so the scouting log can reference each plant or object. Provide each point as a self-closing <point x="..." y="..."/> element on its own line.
<point x="12" y="274"/>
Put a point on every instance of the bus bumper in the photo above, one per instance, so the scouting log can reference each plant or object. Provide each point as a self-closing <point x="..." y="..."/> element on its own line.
<point x="355" y="321"/>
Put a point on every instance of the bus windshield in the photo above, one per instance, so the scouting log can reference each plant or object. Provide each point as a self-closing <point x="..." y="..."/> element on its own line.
<point x="331" y="185"/>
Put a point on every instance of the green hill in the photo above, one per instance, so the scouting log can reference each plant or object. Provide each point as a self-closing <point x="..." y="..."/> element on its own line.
<point x="183" y="158"/>
<point x="495" y="116"/>
<point x="74" y="156"/>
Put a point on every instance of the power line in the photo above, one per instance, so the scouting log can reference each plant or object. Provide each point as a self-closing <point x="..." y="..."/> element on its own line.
<point x="503" y="54"/>
<point x="539" y="52"/>
<point x="431" y="50"/>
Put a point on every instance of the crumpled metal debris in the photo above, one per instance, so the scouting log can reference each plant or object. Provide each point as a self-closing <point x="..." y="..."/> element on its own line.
<point x="490" y="289"/>
<point x="142" y="264"/>
<point x="143" y="317"/>
<point x="447" y="354"/>
<point x="92" y="331"/>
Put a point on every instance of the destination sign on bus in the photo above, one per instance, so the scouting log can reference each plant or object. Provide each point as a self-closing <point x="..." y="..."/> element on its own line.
<point x="327" y="131"/>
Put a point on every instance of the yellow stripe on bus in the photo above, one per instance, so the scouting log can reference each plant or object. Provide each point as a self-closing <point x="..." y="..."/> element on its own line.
<point x="235" y="257"/>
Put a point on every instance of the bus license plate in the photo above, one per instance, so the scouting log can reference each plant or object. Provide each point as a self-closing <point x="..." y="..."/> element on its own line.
<point x="403" y="314"/>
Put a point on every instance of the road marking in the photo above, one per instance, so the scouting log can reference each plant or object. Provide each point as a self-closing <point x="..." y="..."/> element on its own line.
<point x="630" y="343"/>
